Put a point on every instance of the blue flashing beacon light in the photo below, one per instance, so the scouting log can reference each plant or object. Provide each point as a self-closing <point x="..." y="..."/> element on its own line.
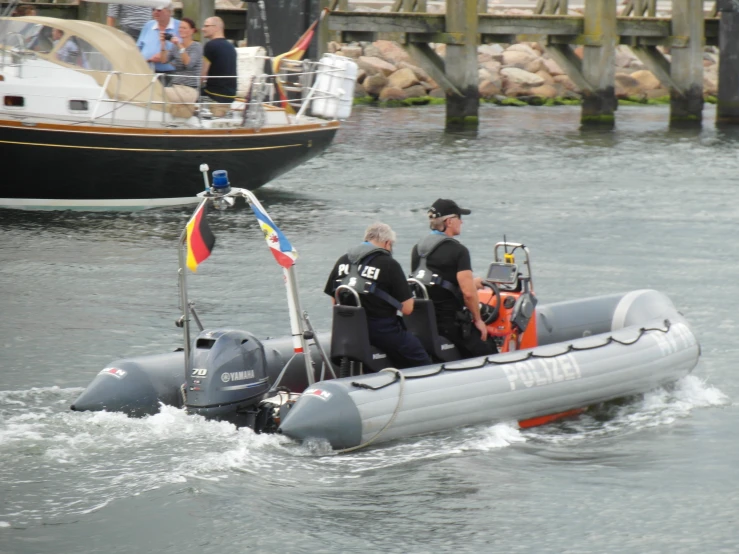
<point x="220" y="183"/>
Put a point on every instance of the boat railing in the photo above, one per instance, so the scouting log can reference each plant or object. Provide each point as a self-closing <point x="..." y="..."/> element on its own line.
<point x="300" y="84"/>
<point x="154" y="80"/>
<point x="296" y="79"/>
<point x="117" y="102"/>
<point x="101" y="96"/>
<point x="17" y="53"/>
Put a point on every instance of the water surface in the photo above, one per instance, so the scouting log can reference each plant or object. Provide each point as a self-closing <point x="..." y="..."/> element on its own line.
<point x="641" y="206"/>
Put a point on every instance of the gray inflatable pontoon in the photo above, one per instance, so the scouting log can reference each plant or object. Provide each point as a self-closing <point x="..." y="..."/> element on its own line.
<point x="590" y="351"/>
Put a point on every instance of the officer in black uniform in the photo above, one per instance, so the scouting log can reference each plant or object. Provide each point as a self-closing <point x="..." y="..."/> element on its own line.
<point x="444" y="265"/>
<point x="370" y="269"/>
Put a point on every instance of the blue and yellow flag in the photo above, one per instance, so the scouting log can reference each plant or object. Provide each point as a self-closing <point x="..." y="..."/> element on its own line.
<point x="281" y="248"/>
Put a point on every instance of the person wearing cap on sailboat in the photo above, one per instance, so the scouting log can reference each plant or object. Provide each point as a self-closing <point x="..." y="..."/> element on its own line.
<point x="443" y="264"/>
<point x="155" y="39"/>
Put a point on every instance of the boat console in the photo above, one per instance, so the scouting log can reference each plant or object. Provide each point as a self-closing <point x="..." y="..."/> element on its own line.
<point x="505" y="275"/>
<point x="507" y="299"/>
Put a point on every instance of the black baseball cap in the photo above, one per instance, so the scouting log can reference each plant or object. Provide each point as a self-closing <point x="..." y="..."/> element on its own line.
<point x="444" y="206"/>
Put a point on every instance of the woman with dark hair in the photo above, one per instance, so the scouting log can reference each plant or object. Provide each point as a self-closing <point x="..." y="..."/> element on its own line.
<point x="186" y="56"/>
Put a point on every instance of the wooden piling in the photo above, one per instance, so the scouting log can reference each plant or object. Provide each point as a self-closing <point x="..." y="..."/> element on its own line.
<point x="727" y="108"/>
<point x="598" y="69"/>
<point x="598" y="31"/>
<point x="198" y="10"/>
<point x="688" y="40"/>
<point x="461" y="64"/>
<point x="91" y="11"/>
<point x="657" y="63"/>
<point x="323" y="35"/>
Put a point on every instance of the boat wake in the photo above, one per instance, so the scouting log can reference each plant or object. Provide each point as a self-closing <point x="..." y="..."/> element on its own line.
<point x="659" y="407"/>
<point x="100" y="457"/>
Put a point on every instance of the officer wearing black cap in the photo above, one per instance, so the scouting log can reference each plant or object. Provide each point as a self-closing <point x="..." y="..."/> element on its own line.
<point x="369" y="268"/>
<point x="443" y="264"/>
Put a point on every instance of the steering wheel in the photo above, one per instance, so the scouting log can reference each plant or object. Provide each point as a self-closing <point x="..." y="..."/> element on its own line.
<point x="490" y="313"/>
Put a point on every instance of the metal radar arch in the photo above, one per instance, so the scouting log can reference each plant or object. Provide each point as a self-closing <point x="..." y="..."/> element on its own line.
<point x="222" y="196"/>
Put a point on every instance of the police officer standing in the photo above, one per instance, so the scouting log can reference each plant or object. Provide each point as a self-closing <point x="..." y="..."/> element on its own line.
<point x="444" y="265"/>
<point x="370" y="269"/>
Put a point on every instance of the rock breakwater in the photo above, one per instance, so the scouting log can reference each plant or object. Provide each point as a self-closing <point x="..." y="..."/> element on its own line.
<point x="512" y="74"/>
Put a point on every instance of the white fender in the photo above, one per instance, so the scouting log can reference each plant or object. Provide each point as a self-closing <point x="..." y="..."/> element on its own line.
<point x="334" y="87"/>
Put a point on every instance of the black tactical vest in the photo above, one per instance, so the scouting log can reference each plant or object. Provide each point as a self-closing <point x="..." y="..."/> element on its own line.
<point x="359" y="258"/>
<point x="425" y="248"/>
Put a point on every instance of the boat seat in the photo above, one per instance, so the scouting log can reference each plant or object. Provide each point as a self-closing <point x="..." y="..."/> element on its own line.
<point x="181" y="100"/>
<point x="422" y="323"/>
<point x="350" y="339"/>
<point x="217" y="109"/>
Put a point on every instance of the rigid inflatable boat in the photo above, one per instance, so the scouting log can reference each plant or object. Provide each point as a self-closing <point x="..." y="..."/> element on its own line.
<point x="555" y="360"/>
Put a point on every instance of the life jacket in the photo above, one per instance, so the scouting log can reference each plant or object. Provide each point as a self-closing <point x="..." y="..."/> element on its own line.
<point x="357" y="278"/>
<point x="425" y="248"/>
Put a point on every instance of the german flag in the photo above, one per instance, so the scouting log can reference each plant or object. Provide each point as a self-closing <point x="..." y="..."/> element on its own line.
<point x="200" y="239"/>
<point x="295" y="53"/>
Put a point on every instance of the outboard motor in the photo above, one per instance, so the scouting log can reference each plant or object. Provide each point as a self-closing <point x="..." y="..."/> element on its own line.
<point x="227" y="377"/>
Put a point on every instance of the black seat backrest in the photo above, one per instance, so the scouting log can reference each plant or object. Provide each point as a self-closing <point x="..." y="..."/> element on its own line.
<point x="422" y="323"/>
<point x="350" y="339"/>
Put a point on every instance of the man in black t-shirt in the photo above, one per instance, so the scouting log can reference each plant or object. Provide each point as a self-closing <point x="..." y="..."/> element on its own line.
<point x="371" y="263"/>
<point x="219" y="63"/>
<point x="454" y="290"/>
